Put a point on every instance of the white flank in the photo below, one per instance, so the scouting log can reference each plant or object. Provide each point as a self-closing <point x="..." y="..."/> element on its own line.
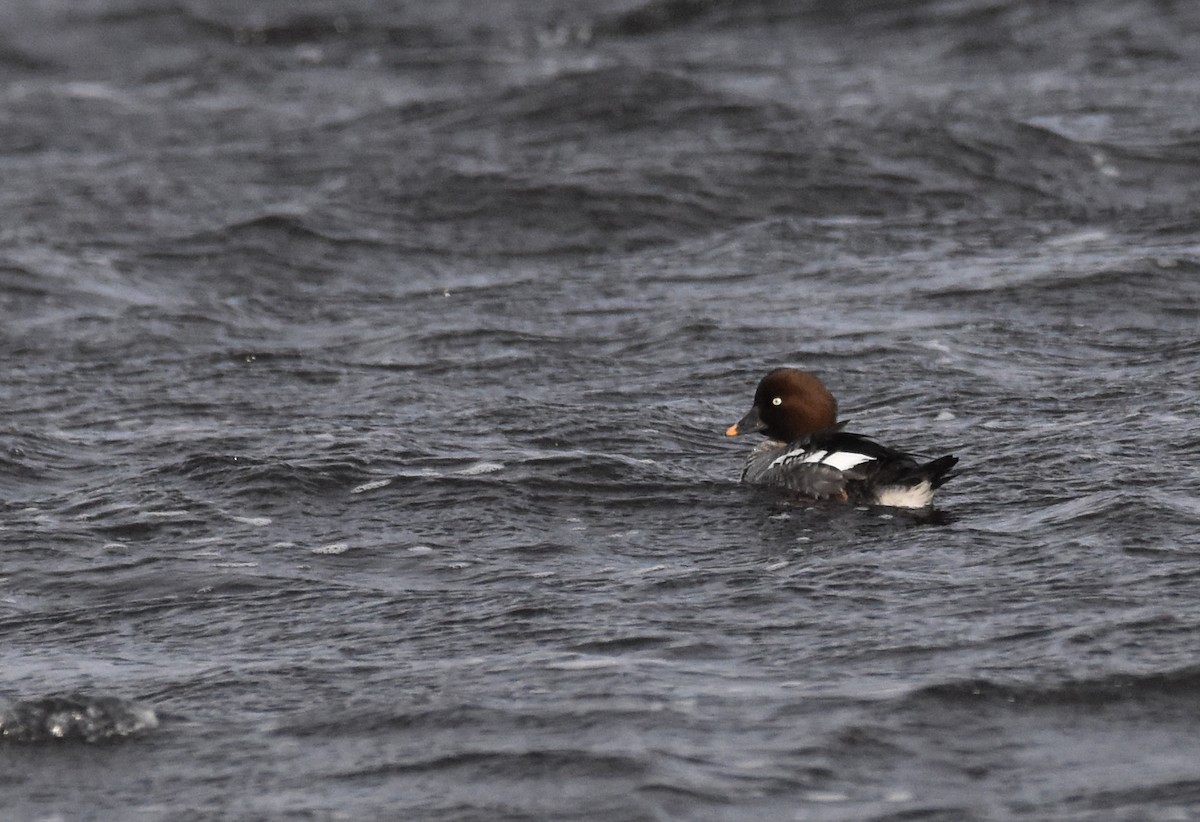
<point x="914" y="496"/>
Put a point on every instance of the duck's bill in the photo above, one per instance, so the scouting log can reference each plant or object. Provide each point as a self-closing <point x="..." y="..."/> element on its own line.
<point x="746" y="425"/>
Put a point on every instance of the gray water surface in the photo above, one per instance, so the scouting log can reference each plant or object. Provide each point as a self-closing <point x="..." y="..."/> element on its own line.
<point x="365" y="375"/>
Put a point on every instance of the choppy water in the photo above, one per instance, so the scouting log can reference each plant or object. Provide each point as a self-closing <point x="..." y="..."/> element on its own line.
<point x="365" y="374"/>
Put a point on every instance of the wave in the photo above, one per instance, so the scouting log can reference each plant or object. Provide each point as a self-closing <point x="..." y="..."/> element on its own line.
<point x="261" y="477"/>
<point x="75" y="717"/>
<point x="1182" y="684"/>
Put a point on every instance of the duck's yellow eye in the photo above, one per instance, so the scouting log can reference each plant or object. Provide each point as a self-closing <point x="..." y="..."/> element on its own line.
<point x="777" y="401"/>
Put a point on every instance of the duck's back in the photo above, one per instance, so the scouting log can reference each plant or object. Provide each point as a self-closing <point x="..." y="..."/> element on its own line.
<point x="833" y="464"/>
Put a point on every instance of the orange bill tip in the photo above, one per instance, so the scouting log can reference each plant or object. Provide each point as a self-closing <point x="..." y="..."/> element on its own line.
<point x="732" y="431"/>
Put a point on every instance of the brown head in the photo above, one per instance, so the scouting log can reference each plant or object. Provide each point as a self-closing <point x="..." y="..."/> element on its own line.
<point x="789" y="404"/>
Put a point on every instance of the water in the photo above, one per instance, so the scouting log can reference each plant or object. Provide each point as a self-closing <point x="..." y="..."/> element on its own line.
<point x="361" y="447"/>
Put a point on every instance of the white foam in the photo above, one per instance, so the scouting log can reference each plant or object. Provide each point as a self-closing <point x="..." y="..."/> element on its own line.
<point x="482" y="468"/>
<point x="259" y="521"/>
<point x="370" y="486"/>
<point x="826" y="796"/>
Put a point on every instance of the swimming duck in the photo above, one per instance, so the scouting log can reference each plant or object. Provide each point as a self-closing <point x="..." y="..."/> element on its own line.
<point x="807" y="452"/>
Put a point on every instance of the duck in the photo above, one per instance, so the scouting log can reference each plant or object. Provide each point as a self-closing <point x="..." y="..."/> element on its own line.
<point x="808" y="453"/>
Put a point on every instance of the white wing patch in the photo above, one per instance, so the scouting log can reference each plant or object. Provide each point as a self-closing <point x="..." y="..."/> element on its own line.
<point x="845" y="460"/>
<point x="841" y="460"/>
<point x="790" y="456"/>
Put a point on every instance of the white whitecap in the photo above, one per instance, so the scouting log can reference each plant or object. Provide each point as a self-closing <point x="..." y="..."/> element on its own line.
<point x="1087" y="236"/>
<point x="370" y="486"/>
<point x="481" y="468"/>
<point x="826" y="796"/>
<point x="331" y="548"/>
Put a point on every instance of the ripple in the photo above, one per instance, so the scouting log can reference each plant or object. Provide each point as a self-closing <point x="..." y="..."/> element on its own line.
<point x="75" y="717"/>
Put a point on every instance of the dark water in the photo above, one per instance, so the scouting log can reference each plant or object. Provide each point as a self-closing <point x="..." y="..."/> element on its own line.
<point x="365" y="373"/>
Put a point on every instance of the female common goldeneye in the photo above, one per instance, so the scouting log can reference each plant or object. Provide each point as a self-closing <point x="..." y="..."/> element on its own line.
<point x="807" y="451"/>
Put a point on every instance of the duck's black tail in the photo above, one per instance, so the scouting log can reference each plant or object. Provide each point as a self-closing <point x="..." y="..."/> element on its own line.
<point x="937" y="471"/>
